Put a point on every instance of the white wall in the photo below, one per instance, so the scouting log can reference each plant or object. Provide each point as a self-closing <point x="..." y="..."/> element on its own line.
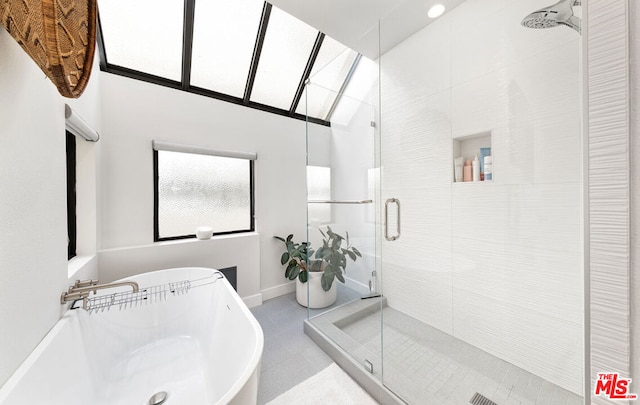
<point x="218" y="252"/>
<point x="33" y="241"/>
<point x="498" y="265"/>
<point x="135" y="113"/>
<point x="634" y="20"/>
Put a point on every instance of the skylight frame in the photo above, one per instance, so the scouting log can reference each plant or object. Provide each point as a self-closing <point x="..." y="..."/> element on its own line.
<point x="187" y="51"/>
<point x="307" y="72"/>
<point x="187" y="41"/>
<point x="344" y="85"/>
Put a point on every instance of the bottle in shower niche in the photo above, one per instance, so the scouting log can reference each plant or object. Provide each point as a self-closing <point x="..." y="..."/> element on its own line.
<point x="476" y="168"/>
<point x="483" y="153"/>
<point x="467" y="171"/>
<point x="488" y="168"/>
<point x="458" y="165"/>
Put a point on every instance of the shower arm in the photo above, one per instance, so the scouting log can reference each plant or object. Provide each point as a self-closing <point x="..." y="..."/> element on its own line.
<point x="575" y="23"/>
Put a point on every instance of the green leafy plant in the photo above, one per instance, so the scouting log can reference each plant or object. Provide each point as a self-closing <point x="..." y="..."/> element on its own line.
<point x="331" y="258"/>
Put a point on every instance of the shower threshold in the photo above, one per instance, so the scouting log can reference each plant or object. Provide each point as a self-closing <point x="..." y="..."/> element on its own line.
<point x="324" y="331"/>
<point x="423" y="365"/>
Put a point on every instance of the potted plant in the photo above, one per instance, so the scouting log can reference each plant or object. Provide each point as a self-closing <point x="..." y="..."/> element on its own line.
<point x="319" y="268"/>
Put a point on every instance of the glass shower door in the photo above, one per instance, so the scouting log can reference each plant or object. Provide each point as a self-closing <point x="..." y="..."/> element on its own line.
<point x="415" y="240"/>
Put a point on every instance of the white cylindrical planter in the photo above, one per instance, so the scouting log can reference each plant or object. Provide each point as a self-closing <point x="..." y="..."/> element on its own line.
<point x="318" y="298"/>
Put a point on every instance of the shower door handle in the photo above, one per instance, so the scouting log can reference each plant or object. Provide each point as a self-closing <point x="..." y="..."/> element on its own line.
<point x="386" y="219"/>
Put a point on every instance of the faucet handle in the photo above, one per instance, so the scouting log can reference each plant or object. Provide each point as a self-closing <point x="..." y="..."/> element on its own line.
<point x="84" y="283"/>
<point x="72" y="296"/>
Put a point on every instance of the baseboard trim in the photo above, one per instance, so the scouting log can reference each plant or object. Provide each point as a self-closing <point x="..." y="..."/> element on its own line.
<point x="253" y="300"/>
<point x="282" y="289"/>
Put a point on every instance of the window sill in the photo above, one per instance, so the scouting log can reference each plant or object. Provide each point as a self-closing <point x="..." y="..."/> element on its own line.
<point x="185" y="241"/>
<point x="77" y="264"/>
<point x="213" y="238"/>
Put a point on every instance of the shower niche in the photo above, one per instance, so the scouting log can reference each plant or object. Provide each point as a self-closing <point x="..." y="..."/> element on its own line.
<point x="467" y="146"/>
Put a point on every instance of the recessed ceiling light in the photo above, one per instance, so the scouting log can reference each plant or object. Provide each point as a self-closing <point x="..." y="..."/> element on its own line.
<point x="436" y="11"/>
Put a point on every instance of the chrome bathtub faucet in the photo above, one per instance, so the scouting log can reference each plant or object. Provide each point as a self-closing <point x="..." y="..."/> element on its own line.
<point x="81" y="290"/>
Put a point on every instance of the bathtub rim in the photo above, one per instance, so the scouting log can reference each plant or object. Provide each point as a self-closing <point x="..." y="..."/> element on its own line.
<point x="12" y="382"/>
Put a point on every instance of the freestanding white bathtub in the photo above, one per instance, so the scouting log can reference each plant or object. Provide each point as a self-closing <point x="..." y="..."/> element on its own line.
<point x="200" y="347"/>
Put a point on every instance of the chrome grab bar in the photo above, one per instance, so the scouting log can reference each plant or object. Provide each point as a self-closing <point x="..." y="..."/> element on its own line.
<point x="339" y="201"/>
<point x="386" y="219"/>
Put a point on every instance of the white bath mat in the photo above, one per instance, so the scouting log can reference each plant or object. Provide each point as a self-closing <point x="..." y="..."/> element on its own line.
<point x="331" y="386"/>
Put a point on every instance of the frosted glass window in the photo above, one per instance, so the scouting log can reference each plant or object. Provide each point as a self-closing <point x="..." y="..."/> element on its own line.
<point x="143" y="35"/>
<point x="359" y="91"/>
<point x="318" y="189"/>
<point x="332" y="56"/>
<point x="201" y="190"/>
<point x="286" y="50"/>
<point x="362" y="84"/>
<point x="316" y="101"/>
<point x="327" y="80"/>
<point x="223" y="40"/>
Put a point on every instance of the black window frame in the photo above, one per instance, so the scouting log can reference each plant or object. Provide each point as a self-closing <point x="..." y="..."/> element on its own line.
<point x="185" y="81"/>
<point x="156" y="205"/>
<point x="72" y="221"/>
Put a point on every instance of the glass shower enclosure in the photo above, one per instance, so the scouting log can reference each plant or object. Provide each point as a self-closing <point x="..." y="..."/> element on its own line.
<point x="468" y="288"/>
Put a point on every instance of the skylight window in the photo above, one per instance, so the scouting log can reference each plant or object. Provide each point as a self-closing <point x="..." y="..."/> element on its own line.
<point x="285" y="53"/>
<point x="242" y="51"/>
<point x="224" y="35"/>
<point x="328" y="76"/>
<point x="143" y="36"/>
<point x="358" y="92"/>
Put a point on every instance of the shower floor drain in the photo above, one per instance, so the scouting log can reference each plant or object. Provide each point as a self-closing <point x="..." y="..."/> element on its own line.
<point x="479" y="399"/>
<point x="158" y="398"/>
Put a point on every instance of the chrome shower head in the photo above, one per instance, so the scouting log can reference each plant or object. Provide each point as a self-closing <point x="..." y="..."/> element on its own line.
<point x="560" y="13"/>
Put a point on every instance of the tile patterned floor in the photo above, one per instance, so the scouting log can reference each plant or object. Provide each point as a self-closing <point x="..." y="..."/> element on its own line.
<point x="289" y="356"/>
<point x="423" y="363"/>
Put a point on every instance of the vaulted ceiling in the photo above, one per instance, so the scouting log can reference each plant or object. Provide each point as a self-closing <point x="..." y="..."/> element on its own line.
<point x="357" y="23"/>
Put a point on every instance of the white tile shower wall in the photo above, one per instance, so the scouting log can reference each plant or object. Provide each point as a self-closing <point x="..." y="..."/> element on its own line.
<point x="610" y="189"/>
<point x="635" y="187"/>
<point x="498" y="265"/>
<point x="416" y="269"/>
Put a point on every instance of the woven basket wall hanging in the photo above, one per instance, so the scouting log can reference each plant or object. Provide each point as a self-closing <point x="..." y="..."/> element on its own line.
<point x="59" y="35"/>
